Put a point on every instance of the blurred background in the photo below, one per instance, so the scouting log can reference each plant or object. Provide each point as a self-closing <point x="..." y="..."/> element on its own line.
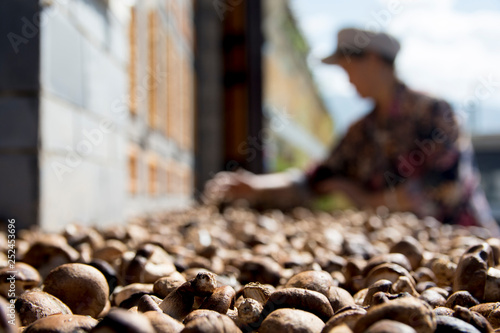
<point x="111" y="109"/>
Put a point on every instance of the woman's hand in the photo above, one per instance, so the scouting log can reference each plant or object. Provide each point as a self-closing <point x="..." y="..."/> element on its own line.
<point x="230" y="187"/>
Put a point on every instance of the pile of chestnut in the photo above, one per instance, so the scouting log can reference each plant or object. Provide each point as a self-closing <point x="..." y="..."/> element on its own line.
<point x="207" y="269"/>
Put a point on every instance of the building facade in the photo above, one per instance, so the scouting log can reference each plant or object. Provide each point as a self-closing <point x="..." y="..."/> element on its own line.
<point x="112" y="110"/>
<point x="300" y="128"/>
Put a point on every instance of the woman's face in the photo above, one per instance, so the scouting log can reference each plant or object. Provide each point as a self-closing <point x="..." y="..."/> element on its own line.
<point x="361" y="71"/>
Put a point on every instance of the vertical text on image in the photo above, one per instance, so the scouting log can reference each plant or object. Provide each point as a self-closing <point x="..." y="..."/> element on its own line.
<point x="11" y="264"/>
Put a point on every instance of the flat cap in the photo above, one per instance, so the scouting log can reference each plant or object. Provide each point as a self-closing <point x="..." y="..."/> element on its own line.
<point x="355" y="41"/>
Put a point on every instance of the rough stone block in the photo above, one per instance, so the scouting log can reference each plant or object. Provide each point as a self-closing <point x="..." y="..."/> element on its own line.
<point x="18" y="123"/>
<point x="62" y="61"/>
<point x="19" y="45"/>
<point x="19" y="189"/>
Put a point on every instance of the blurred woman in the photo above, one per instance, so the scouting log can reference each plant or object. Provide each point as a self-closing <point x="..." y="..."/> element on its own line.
<point x="407" y="154"/>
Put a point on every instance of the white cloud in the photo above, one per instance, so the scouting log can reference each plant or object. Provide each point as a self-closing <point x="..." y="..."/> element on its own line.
<point x="450" y="51"/>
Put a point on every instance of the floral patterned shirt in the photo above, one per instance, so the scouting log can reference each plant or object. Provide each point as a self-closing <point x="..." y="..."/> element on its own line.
<point x="420" y="144"/>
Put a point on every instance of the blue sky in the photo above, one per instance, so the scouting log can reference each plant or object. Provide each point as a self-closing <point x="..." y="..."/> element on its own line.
<point x="450" y="48"/>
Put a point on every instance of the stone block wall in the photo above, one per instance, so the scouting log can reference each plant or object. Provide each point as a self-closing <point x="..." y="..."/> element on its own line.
<point x="116" y="111"/>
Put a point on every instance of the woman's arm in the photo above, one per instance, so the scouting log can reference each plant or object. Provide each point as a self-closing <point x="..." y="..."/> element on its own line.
<point x="398" y="198"/>
<point x="277" y="190"/>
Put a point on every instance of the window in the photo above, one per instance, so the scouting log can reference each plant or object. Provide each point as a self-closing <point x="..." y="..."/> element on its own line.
<point x="188" y="116"/>
<point x="133" y="174"/>
<point x="153" y="176"/>
<point x="152" y="68"/>
<point x="164" y="179"/>
<point x="187" y="179"/>
<point x="175" y="90"/>
<point x="170" y="177"/>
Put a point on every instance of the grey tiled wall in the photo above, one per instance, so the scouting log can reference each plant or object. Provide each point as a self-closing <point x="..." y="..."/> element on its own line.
<point x="19" y="45"/>
<point x="19" y="86"/>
